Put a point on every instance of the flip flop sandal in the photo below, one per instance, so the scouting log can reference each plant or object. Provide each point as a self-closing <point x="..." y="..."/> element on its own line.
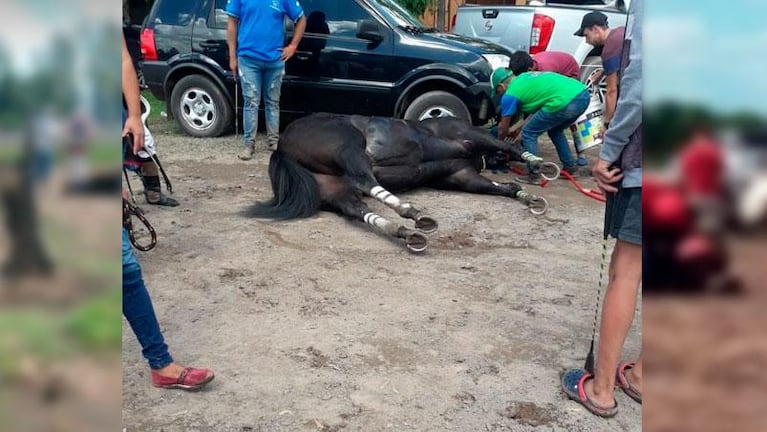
<point x="624" y="384"/>
<point x="572" y="385"/>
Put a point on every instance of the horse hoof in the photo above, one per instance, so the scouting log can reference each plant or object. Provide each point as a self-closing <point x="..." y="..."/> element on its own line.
<point x="425" y="224"/>
<point x="538" y="205"/>
<point x="549" y="170"/>
<point x="416" y="242"/>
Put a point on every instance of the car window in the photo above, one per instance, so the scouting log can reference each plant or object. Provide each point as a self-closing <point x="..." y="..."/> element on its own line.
<point x="219" y="17"/>
<point x="175" y="12"/>
<point x="336" y="18"/>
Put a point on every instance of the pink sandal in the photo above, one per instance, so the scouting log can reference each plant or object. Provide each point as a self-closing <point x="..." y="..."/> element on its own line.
<point x="624" y="384"/>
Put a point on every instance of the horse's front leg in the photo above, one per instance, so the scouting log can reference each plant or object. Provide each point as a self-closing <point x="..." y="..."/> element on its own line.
<point x="479" y="140"/>
<point x="469" y="180"/>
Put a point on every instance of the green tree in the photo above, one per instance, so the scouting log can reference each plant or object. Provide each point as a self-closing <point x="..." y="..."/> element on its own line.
<point x="417" y="7"/>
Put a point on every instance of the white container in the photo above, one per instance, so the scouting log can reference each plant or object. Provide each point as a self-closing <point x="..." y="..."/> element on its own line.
<point x="587" y="126"/>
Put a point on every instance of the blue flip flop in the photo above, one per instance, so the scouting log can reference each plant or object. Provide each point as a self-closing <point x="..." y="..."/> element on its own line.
<point x="572" y="385"/>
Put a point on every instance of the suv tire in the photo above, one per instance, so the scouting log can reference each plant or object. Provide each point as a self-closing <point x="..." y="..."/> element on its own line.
<point x="200" y="108"/>
<point x="437" y="104"/>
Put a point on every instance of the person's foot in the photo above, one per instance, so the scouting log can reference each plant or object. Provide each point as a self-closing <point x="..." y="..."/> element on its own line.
<point x="576" y="171"/>
<point x="177" y="376"/>
<point x="157" y="198"/>
<point x="582" y="161"/>
<point x="627" y="379"/>
<point x="247" y="152"/>
<point x="604" y="399"/>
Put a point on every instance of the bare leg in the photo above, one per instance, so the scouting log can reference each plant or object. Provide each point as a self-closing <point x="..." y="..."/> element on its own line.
<point x="617" y="315"/>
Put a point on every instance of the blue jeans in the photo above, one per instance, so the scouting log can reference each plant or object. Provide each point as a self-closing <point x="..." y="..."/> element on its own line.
<point x="555" y="123"/>
<point x="260" y="78"/>
<point x="138" y="310"/>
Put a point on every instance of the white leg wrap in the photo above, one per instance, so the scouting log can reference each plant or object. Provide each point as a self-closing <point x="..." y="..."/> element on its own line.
<point x="385" y="196"/>
<point x="375" y="220"/>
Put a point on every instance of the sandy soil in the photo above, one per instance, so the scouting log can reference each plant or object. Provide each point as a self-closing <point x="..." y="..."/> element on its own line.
<point x="323" y="325"/>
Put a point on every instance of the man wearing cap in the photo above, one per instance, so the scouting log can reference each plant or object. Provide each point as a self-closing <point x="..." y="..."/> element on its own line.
<point x="551" y="101"/>
<point x="597" y="33"/>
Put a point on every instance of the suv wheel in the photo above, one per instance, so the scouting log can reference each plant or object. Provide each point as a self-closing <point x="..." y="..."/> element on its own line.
<point x="437" y="104"/>
<point x="200" y="107"/>
<point x="591" y="68"/>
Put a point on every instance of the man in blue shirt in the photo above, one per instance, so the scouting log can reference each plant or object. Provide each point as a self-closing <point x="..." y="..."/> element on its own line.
<point x="255" y="33"/>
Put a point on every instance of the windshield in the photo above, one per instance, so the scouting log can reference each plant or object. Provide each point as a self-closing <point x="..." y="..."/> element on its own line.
<point x="397" y="15"/>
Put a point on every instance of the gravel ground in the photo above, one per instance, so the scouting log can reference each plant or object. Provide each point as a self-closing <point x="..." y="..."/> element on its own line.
<point x="323" y="325"/>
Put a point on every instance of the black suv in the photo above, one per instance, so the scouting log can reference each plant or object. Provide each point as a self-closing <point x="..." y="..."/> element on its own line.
<point x="368" y="57"/>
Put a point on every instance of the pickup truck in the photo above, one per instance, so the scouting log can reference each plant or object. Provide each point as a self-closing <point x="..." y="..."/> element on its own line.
<point x="543" y="26"/>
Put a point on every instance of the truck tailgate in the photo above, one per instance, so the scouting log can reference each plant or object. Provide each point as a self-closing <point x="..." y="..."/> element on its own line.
<point x="499" y="25"/>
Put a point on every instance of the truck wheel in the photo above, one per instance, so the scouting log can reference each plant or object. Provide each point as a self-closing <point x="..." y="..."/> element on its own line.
<point x="200" y="107"/>
<point x="590" y="70"/>
<point x="437" y="104"/>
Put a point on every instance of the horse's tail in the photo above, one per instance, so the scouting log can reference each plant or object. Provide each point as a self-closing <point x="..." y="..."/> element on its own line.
<point x="296" y="193"/>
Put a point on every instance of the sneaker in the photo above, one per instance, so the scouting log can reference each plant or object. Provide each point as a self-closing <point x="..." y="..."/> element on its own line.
<point x="190" y="379"/>
<point x="577" y="172"/>
<point x="247" y="152"/>
<point x="582" y="161"/>
<point x="160" y="199"/>
<point x="533" y="179"/>
<point x="272" y="142"/>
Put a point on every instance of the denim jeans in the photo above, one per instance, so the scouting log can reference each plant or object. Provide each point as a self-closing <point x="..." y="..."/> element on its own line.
<point x="260" y="78"/>
<point x="555" y="123"/>
<point x="138" y="310"/>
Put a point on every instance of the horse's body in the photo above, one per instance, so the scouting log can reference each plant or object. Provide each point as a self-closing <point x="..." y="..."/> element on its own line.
<point x="330" y="161"/>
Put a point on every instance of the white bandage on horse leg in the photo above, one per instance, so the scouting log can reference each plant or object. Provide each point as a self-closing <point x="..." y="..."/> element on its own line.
<point x="376" y="221"/>
<point x="385" y="197"/>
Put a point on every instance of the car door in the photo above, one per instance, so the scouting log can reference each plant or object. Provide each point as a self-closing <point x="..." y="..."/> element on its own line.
<point x="336" y="71"/>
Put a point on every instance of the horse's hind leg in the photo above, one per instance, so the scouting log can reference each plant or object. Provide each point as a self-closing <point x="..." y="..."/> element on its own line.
<point x="359" y="173"/>
<point x="352" y="206"/>
<point x="469" y="180"/>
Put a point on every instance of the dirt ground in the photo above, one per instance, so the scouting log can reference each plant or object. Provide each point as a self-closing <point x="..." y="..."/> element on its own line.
<point x="323" y="325"/>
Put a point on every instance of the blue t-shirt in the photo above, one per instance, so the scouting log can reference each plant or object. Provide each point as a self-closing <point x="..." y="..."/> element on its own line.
<point x="261" y="33"/>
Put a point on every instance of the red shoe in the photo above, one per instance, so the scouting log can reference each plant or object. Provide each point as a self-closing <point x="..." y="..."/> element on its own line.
<point x="190" y="379"/>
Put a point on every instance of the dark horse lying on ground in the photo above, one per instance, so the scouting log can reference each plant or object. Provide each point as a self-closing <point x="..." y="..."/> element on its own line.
<point x="331" y="161"/>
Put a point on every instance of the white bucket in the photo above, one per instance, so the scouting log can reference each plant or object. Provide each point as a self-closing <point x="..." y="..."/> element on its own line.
<point x="587" y="126"/>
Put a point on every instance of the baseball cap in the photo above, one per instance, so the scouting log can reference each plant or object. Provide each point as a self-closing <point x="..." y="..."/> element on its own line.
<point x="592" y="19"/>
<point x="499" y="75"/>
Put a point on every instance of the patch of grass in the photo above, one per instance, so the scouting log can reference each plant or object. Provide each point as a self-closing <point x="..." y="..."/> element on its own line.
<point x="157" y="106"/>
<point x="97" y="323"/>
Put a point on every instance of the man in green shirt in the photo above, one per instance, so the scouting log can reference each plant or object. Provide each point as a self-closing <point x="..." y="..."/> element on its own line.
<point x="552" y="103"/>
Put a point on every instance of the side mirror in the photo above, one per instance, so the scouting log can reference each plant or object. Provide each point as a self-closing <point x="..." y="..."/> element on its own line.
<point x="369" y="30"/>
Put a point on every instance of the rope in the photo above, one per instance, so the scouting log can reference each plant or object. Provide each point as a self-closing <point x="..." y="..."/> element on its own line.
<point x="590" y="358"/>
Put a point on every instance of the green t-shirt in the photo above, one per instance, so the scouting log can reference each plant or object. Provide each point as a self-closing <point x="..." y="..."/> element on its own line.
<point x="548" y="91"/>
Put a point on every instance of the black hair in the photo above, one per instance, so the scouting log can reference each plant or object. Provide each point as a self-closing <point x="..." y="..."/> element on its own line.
<point x="520" y="62"/>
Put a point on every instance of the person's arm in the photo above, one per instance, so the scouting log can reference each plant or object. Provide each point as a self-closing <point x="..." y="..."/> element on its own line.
<point x="232" y="26"/>
<point x="298" y="33"/>
<point x="509" y="106"/>
<point x="628" y="112"/>
<point x="132" y="96"/>
<point x="611" y="97"/>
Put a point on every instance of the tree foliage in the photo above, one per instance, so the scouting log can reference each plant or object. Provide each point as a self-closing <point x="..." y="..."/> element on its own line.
<point x="417" y="7"/>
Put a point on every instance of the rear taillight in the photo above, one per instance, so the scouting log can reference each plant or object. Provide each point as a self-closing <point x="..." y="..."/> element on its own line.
<point x="543" y="27"/>
<point x="452" y="21"/>
<point x="148" y="49"/>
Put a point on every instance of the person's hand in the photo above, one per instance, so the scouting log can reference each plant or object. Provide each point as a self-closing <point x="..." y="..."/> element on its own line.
<point x="233" y="66"/>
<point x="288" y="52"/>
<point x="125" y="195"/>
<point x="133" y="125"/>
<point x="602" y="131"/>
<point x="514" y="132"/>
<point x="605" y="176"/>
